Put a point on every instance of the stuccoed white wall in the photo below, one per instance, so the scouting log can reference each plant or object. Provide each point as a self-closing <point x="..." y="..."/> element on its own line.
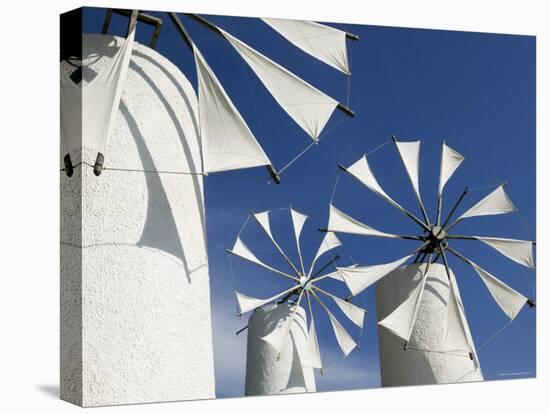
<point x="136" y="316"/>
<point x="265" y="375"/>
<point x="411" y="367"/>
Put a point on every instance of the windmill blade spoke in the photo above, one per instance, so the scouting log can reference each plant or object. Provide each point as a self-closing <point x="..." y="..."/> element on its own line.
<point x="340" y="222"/>
<point x="361" y="171"/>
<point x="248" y="303"/>
<point x="263" y="220"/>
<point x="453" y="210"/>
<point x="242" y="251"/>
<point x="509" y="300"/>
<point x="409" y="152"/>
<point x="401" y="321"/>
<point x="355" y="313"/>
<point x="344" y="339"/>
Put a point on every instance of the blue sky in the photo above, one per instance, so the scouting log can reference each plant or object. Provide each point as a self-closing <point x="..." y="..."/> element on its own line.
<point x="475" y="90"/>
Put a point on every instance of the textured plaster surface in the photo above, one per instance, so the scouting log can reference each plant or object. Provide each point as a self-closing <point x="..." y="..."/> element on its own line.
<point x="412" y="367"/>
<point x="265" y="373"/>
<point x="136" y="322"/>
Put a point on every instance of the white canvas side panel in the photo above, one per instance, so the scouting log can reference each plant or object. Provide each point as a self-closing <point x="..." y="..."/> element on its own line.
<point x="95" y="103"/>
<point x="401" y="321"/>
<point x="313" y="353"/>
<point x="344" y="339"/>
<point x="497" y="202"/>
<point x="359" y="278"/>
<point x="520" y="251"/>
<point x="507" y="298"/>
<point x="354" y="313"/>
<point x="450" y="161"/>
<point x="227" y="142"/>
<point x="322" y="42"/>
<point x="361" y="170"/>
<point x="309" y="107"/>
<point x="340" y="222"/>
<point x="410" y="155"/>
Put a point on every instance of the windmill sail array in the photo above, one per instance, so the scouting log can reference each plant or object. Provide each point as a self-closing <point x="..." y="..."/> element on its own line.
<point x="227" y="143"/>
<point x="435" y="242"/>
<point x="304" y="285"/>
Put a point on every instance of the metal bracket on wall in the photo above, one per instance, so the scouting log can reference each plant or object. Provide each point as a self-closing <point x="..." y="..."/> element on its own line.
<point x="142" y="17"/>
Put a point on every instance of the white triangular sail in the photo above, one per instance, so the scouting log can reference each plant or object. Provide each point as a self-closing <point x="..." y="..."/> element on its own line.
<point x="410" y="155"/>
<point x="88" y="111"/>
<point x="330" y="241"/>
<point x="401" y="321"/>
<point x="298" y="220"/>
<point x="361" y="171"/>
<point x="340" y="222"/>
<point x="336" y="274"/>
<point x="322" y="42"/>
<point x="309" y="107"/>
<point x="358" y="278"/>
<point x="248" y="303"/>
<point x="344" y="339"/>
<point x="450" y="161"/>
<point x="507" y="298"/>
<point x="495" y="203"/>
<point x="240" y="249"/>
<point x="354" y="313"/>
<point x="227" y="142"/>
<point x="455" y="337"/>
<point x="520" y="251"/>
<point x="313" y="358"/>
<point x="263" y="220"/>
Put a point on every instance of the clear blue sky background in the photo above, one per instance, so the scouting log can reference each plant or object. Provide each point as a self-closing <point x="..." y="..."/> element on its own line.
<point x="475" y="90"/>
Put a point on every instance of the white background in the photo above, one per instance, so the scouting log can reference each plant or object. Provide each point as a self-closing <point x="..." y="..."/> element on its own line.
<point x="29" y="203"/>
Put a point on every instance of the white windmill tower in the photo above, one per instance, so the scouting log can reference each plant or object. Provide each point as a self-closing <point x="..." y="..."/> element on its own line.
<point x="137" y="141"/>
<point x="281" y="350"/>
<point x="424" y="339"/>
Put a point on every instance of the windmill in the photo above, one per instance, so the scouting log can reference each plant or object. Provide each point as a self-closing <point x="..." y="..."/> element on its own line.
<point x="138" y="137"/>
<point x="435" y="241"/>
<point x="304" y="287"/>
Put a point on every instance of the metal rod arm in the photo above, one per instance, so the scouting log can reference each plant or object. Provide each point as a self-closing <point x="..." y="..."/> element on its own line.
<point x="334" y="259"/>
<point x="453" y="211"/>
<point x="401" y="236"/>
<point x="265" y="267"/>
